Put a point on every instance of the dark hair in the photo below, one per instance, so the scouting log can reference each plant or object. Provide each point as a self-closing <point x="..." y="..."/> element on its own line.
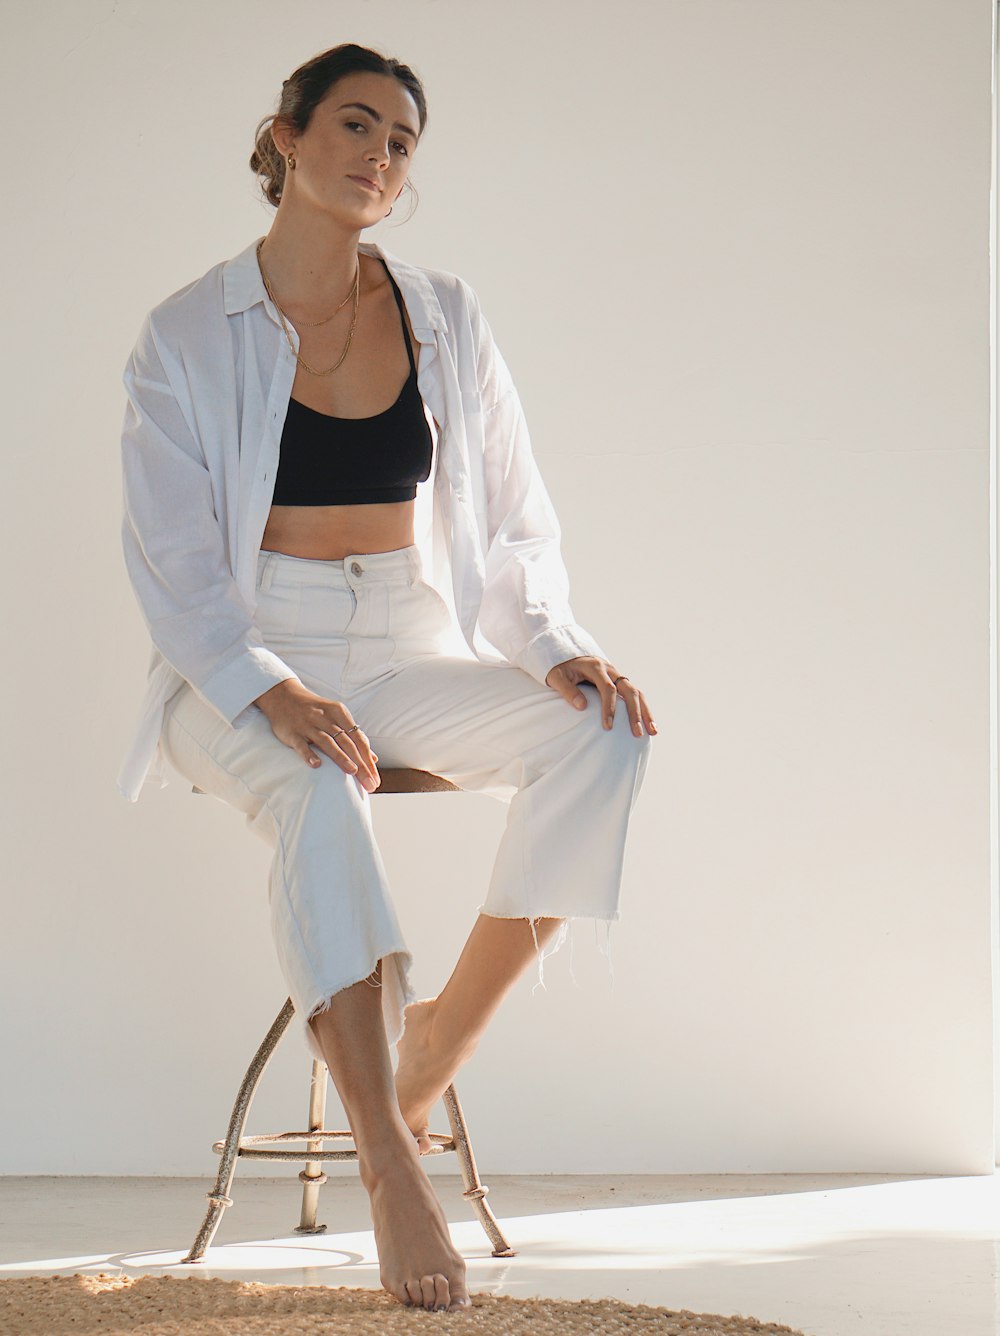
<point x="302" y="92"/>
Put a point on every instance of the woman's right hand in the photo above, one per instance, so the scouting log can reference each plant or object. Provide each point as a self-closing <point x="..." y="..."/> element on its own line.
<point x="299" y="717"/>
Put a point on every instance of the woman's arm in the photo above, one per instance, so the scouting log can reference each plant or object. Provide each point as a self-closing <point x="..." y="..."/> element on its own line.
<point x="525" y="610"/>
<point x="174" y="548"/>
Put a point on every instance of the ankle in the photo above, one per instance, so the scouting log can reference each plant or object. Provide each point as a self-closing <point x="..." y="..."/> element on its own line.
<point x="452" y="1045"/>
<point x="379" y="1156"/>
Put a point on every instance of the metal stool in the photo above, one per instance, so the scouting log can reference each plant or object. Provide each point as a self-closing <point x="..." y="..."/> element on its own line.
<point x="237" y="1146"/>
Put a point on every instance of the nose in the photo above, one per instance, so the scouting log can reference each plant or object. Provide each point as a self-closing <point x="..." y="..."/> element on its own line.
<point x="381" y="155"/>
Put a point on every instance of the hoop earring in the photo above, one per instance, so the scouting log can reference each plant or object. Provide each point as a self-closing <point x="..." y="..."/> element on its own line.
<point x="291" y="161"/>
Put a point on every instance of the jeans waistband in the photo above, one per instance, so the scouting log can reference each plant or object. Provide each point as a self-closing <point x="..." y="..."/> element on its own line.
<point x="402" y="563"/>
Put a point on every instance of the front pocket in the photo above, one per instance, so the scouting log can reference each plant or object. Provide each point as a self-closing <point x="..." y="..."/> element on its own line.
<point x="433" y="599"/>
<point x="277" y="613"/>
<point x="420" y="617"/>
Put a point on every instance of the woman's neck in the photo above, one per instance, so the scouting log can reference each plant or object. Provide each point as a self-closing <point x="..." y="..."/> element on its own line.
<point x="311" y="267"/>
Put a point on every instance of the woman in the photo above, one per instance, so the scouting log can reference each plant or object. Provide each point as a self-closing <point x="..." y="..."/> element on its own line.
<point x="300" y="639"/>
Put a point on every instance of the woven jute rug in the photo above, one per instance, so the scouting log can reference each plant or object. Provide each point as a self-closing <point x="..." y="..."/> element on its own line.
<point x="102" y="1304"/>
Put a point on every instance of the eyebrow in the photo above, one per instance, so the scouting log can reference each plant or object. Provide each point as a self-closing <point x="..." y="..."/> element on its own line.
<point x="370" y="111"/>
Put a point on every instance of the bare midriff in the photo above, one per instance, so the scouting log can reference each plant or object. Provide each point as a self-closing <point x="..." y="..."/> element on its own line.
<point x="370" y="379"/>
<point x="330" y="533"/>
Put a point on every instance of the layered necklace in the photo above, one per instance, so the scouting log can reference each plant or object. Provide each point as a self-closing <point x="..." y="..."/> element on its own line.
<point x="355" y="292"/>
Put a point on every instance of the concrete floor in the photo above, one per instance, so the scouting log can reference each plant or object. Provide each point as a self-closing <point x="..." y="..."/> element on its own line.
<point x="834" y="1255"/>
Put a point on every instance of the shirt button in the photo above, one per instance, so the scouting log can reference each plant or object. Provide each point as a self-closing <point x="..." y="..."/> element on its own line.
<point x="356" y="567"/>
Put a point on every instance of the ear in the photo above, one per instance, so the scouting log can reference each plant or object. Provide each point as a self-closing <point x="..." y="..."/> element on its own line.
<point x="281" y="138"/>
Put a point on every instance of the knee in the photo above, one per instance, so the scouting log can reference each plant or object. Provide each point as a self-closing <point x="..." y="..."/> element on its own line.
<point x="618" y="740"/>
<point x="325" y="788"/>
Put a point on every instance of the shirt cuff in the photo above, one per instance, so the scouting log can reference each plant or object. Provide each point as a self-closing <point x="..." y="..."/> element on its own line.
<point x="233" y="688"/>
<point x="555" y="645"/>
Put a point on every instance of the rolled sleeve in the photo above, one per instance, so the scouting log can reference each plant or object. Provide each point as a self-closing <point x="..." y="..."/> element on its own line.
<point x="556" y="645"/>
<point x="234" y="687"/>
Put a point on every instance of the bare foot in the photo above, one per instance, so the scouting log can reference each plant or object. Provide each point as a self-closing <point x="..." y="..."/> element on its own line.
<point x="418" y="1264"/>
<point x="423" y="1073"/>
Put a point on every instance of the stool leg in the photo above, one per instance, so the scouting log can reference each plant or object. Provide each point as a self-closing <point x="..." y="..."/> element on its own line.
<point x="312" y="1176"/>
<point x="470" y="1175"/>
<point x="219" y="1197"/>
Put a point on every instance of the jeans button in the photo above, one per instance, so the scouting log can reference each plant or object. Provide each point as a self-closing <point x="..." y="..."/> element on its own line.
<point x="356" y="567"/>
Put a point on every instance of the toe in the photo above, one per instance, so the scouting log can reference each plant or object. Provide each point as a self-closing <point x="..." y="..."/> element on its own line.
<point x="429" y="1288"/>
<point x="414" y="1293"/>
<point x="442" y="1295"/>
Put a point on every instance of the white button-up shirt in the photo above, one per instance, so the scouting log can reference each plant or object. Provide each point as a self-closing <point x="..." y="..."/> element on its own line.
<point x="208" y="386"/>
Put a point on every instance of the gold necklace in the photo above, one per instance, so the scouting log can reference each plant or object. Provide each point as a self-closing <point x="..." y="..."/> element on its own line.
<point x="355" y="290"/>
<point x="307" y="324"/>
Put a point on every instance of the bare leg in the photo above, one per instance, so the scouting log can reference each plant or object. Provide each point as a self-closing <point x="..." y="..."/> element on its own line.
<point x="417" y="1262"/>
<point x="443" y="1032"/>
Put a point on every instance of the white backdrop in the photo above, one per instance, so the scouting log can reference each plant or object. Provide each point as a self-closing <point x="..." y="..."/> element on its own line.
<point x="736" y="255"/>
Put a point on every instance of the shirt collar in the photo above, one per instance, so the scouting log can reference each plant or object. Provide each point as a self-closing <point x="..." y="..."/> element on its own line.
<point x="243" y="286"/>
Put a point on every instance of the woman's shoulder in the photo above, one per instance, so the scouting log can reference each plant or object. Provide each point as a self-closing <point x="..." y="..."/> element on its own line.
<point x="193" y="307"/>
<point x="455" y="293"/>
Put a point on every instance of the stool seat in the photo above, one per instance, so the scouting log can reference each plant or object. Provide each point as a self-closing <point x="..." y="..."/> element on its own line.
<point x="235" y="1146"/>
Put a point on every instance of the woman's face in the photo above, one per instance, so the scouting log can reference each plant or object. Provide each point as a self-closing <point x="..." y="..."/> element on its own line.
<point x="366" y="126"/>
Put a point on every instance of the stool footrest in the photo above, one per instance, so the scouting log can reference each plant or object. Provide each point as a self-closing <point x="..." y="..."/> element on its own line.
<point x="290" y="1156"/>
<point x="320" y="1134"/>
<point x="246" y="1146"/>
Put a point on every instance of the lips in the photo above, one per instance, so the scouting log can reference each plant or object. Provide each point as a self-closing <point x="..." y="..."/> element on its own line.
<point x="367" y="181"/>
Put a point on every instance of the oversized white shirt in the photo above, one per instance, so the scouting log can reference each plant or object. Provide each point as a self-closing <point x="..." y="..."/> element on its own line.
<point x="208" y="385"/>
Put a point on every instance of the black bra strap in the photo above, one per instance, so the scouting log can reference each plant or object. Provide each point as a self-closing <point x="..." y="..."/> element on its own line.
<point x="402" y="318"/>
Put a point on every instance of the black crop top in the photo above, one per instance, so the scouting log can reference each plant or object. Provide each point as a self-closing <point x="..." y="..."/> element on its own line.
<point x="332" y="461"/>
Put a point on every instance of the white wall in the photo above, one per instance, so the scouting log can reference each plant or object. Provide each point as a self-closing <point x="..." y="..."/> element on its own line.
<point x="736" y="255"/>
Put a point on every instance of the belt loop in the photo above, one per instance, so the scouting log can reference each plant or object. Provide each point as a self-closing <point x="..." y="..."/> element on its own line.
<point x="267" y="575"/>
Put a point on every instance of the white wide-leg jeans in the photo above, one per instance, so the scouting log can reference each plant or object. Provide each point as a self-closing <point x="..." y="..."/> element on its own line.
<point x="367" y="631"/>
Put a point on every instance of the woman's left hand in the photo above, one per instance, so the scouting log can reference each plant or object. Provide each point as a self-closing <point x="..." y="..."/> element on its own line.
<point x="564" y="676"/>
